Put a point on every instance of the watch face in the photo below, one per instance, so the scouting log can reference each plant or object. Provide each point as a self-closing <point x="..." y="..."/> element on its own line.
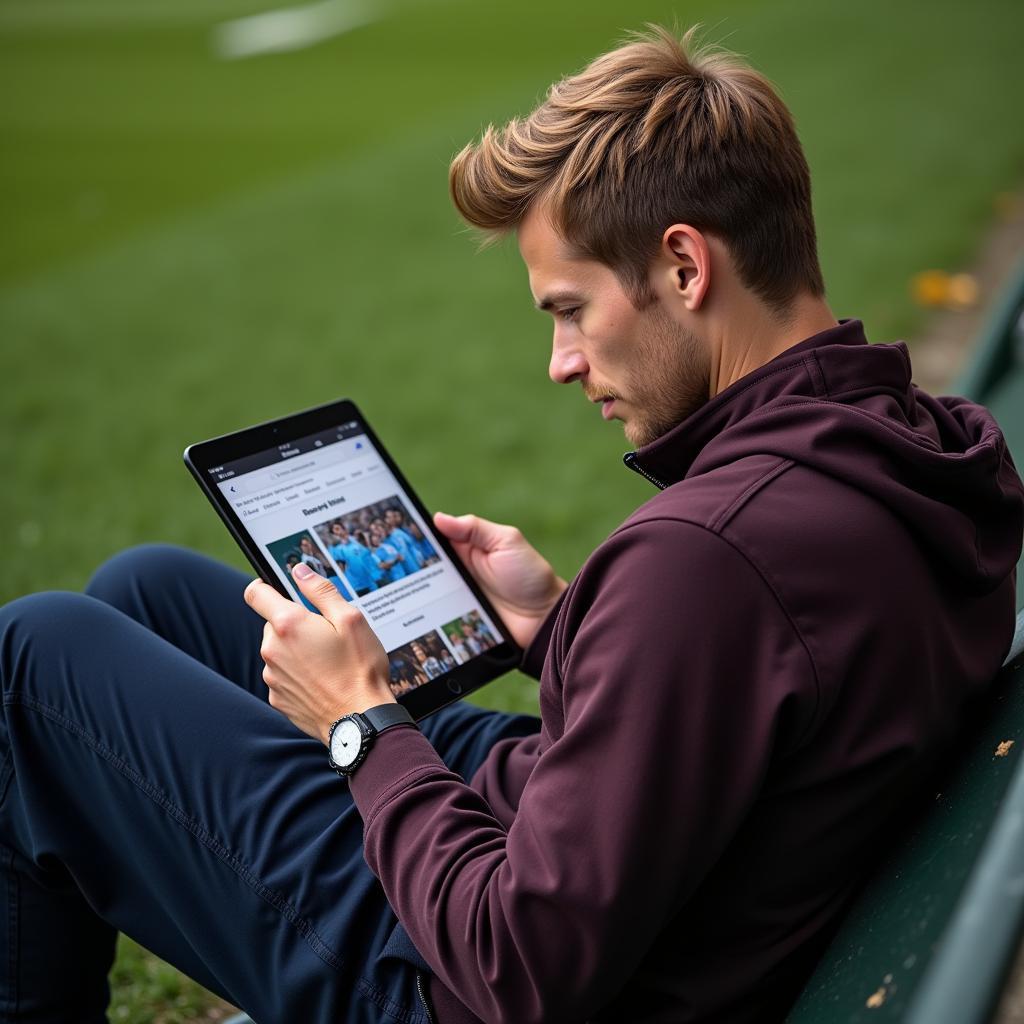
<point x="346" y="742"/>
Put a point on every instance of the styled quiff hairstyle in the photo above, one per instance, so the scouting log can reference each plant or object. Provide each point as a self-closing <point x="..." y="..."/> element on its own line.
<point x="654" y="133"/>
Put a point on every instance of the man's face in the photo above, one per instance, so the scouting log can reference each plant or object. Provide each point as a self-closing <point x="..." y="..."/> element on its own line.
<point x="393" y="517"/>
<point x="641" y="366"/>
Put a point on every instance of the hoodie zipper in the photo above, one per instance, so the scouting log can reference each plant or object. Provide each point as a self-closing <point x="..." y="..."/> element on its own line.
<point x="631" y="460"/>
<point x="423" y="998"/>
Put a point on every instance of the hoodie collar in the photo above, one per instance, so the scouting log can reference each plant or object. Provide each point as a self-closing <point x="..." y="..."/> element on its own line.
<point x="797" y="371"/>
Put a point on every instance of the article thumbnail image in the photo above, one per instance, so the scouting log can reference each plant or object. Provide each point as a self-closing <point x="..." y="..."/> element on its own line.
<point x="469" y="636"/>
<point x="302" y="547"/>
<point x="377" y="545"/>
<point x="419" y="661"/>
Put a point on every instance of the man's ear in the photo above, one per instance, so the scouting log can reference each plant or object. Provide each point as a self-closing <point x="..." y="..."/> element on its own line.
<point x="688" y="262"/>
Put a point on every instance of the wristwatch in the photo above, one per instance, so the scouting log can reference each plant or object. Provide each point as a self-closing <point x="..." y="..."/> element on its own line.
<point x="352" y="736"/>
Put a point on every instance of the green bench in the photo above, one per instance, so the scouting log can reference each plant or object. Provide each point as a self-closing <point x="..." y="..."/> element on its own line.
<point x="931" y="939"/>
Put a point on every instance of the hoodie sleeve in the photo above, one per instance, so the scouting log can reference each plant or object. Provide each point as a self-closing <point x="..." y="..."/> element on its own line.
<point x="677" y="667"/>
<point x="537" y="651"/>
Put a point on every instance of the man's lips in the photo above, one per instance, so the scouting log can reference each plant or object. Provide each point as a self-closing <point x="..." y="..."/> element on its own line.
<point x="605" y="400"/>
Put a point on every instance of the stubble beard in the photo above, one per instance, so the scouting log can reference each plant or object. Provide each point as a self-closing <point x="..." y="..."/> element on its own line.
<point x="669" y="382"/>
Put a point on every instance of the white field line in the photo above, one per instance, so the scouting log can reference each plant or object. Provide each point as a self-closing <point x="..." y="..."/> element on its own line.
<point x="290" y="28"/>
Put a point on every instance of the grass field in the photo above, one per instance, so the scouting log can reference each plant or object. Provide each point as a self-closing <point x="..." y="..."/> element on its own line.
<point x="191" y="244"/>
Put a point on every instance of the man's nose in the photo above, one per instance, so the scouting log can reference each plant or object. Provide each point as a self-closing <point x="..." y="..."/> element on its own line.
<point x="568" y="363"/>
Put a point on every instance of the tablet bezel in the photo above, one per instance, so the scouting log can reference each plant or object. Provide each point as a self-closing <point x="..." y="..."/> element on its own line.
<point x="203" y="456"/>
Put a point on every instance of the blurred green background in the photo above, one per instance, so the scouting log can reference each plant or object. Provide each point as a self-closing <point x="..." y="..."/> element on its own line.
<point x="194" y="240"/>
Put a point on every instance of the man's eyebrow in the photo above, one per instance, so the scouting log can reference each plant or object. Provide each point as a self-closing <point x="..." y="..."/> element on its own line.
<point x="558" y="299"/>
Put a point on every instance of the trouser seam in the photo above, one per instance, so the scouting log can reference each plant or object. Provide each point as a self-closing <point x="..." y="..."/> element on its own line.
<point x="6" y="774"/>
<point x="13" y="896"/>
<point x="301" y="924"/>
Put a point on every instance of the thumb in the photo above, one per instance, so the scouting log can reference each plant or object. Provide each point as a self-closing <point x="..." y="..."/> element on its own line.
<point x="480" y="533"/>
<point x="321" y="593"/>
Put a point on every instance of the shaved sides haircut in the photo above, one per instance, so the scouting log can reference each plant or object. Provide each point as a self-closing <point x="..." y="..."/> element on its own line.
<point x="659" y="131"/>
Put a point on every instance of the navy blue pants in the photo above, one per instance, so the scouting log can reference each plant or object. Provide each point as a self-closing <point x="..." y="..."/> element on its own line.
<point x="147" y="786"/>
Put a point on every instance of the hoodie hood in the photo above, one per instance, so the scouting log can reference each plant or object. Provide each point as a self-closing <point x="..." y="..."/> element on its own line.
<point x="843" y="407"/>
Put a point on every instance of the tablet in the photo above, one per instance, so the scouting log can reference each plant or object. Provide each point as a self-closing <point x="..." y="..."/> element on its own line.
<point x="319" y="487"/>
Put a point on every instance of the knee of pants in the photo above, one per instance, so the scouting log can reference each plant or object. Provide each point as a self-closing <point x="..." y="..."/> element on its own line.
<point x="46" y="623"/>
<point x="122" y="579"/>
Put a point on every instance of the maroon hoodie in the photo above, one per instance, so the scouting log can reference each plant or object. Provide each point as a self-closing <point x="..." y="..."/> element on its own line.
<point x="739" y="688"/>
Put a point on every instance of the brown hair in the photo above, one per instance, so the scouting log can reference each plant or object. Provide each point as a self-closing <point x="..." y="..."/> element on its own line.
<point x="656" y="132"/>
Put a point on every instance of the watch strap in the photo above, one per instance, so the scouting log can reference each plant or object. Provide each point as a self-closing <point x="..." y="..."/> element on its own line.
<point x="387" y="716"/>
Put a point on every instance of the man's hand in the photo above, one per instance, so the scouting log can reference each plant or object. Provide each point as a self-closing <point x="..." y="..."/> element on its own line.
<point x="318" y="667"/>
<point x="519" y="582"/>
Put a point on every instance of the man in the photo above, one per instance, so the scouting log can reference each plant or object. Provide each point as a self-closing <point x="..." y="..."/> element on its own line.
<point x="311" y="557"/>
<point x="387" y="557"/>
<point x="738" y="690"/>
<point x="470" y="639"/>
<point x="462" y="654"/>
<point x="401" y="539"/>
<point x="430" y="665"/>
<point x="425" y="550"/>
<point x="482" y="630"/>
<point x="356" y="561"/>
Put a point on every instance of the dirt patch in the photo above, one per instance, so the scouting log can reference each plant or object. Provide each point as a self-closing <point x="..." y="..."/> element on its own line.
<point x="944" y="345"/>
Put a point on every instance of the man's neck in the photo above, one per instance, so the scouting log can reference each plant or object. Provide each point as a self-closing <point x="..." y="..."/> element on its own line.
<point x="752" y="338"/>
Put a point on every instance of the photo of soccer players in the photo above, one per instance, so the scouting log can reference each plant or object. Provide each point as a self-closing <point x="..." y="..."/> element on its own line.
<point x="377" y="545"/>
<point x="419" y="661"/>
<point x="302" y="547"/>
<point x="469" y="636"/>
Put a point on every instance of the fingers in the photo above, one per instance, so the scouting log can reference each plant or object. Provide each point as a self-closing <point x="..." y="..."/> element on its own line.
<point x="265" y="600"/>
<point x="481" y="533"/>
<point x="452" y="527"/>
<point x="321" y="593"/>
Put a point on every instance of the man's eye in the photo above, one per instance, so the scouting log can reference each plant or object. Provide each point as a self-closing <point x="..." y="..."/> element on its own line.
<point x="569" y="314"/>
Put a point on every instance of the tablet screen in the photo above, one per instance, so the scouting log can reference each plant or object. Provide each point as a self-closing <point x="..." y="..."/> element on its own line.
<point x="330" y="500"/>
